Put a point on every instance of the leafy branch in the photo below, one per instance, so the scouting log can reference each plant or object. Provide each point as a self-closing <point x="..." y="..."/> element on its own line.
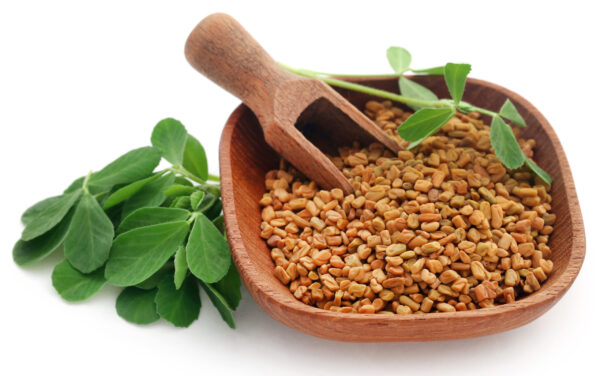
<point x="431" y="113"/>
<point x="158" y="234"/>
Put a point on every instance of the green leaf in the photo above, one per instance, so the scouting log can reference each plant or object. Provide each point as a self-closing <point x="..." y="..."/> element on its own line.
<point x="137" y="306"/>
<point x="73" y="285"/>
<point x="134" y="165"/>
<point x="194" y="158"/>
<point x="28" y="252"/>
<point x="90" y="236"/>
<point x="179" y="190"/>
<point x="411" y="89"/>
<point x="196" y="199"/>
<point x="35" y="210"/>
<point x="150" y="195"/>
<point x="183" y="181"/>
<point x="214" y="210"/>
<point x="75" y="185"/>
<point x="182" y="202"/>
<point x="505" y="144"/>
<point x="181" y="266"/>
<point x="424" y="123"/>
<point x="48" y="215"/>
<point x="139" y="253"/>
<point x="538" y="171"/>
<point x="181" y="306"/>
<point x="399" y="59"/>
<point x="208" y="254"/>
<point x="432" y="71"/>
<point x="510" y="112"/>
<point x="169" y="137"/>
<point x="156" y="278"/>
<point x="230" y="287"/>
<point x="219" y="223"/>
<point x="456" y="78"/>
<point x="152" y="216"/>
<point x="220" y="303"/>
<point x="127" y="191"/>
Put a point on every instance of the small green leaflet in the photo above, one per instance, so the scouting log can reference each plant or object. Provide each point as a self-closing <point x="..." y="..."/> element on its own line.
<point x="137" y="306"/>
<point x="49" y="215"/>
<point x="424" y="123"/>
<point x="134" y="165"/>
<point x="194" y="158"/>
<point x="505" y="144"/>
<point x="139" y="253"/>
<point x="182" y="202"/>
<point x="127" y="191"/>
<point x="399" y="59"/>
<point x="169" y="136"/>
<point x="181" y="306"/>
<point x="152" y="194"/>
<point x="219" y="223"/>
<point x="230" y="287"/>
<point x="75" y="185"/>
<point x="208" y="254"/>
<point x="28" y="252"/>
<point x="438" y="71"/>
<point x="196" y="199"/>
<point x="73" y="285"/>
<point x="35" y="210"/>
<point x="220" y="303"/>
<point x="90" y="236"/>
<point x="411" y="89"/>
<point x="181" y="266"/>
<point x="510" y="112"/>
<point x="152" y="216"/>
<point x="214" y="210"/>
<point x="456" y="78"/>
<point x="183" y="181"/>
<point x="538" y="171"/>
<point x="156" y="278"/>
<point x="179" y="190"/>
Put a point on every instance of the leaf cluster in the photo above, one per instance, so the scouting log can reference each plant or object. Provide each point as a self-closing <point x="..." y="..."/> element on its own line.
<point x="427" y="120"/>
<point x="157" y="234"/>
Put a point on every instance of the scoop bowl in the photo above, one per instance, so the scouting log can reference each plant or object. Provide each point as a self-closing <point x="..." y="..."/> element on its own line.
<point x="245" y="158"/>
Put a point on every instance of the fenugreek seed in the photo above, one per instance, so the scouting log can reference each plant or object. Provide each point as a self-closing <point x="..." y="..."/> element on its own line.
<point x="357" y="289"/>
<point x="317" y="223"/>
<point x="393" y="282"/>
<point x="532" y="281"/>
<point x="405" y="300"/>
<point x="395" y="249"/>
<point x="423" y="185"/>
<point x="431" y="247"/>
<point x="282" y="275"/>
<point x="478" y="270"/>
<point x="497" y="215"/>
<point x="386" y="295"/>
<point x="403" y="310"/>
<point x="449" y="276"/>
<point x="445" y="307"/>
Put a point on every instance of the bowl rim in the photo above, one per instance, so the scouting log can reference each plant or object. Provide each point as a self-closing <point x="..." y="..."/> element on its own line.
<point x="548" y="295"/>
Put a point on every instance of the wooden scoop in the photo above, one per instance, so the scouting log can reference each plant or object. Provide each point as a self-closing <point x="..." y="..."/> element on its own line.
<point x="285" y="104"/>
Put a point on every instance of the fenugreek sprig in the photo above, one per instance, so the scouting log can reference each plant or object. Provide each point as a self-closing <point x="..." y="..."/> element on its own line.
<point x="431" y="113"/>
<point x="157" y="234"/>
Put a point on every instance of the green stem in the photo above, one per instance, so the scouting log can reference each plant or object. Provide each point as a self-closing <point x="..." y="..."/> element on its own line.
<point x="85" y="182"/>
<point x="193" y="217"/>
<point x="212" y="177"/>
<point x="370" y="90"/>
<point x="182" y="171"/>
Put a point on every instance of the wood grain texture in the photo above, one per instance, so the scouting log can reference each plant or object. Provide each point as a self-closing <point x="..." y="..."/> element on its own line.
<point x="284" y="104"/>
<point x="245" y="157"/>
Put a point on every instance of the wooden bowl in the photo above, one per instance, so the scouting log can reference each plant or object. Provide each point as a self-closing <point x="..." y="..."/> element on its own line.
<point x="245" y="158"/>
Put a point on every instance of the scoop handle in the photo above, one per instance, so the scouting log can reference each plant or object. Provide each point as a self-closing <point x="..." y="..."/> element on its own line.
<point x="222" y="50"/>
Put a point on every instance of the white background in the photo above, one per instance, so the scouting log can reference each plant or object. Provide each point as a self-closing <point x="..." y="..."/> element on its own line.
<point x="82" y="82"/>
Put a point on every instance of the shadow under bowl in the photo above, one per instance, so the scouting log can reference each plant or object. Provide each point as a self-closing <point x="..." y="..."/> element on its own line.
<point x="245" y="158"/>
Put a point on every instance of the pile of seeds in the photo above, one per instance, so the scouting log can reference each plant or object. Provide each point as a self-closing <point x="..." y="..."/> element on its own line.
<point x="441" y="228"/>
